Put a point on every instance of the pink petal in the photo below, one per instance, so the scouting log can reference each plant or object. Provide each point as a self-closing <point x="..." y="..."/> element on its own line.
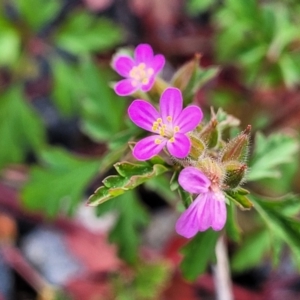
<point x="157" y="63"/>
<point x="219" y="213"/>
<point x="143" y="114"/>
<point x="147" y="147"/>
<point x="170" y="104"/>
<point x="181" y="147"/>
<point x="213" y="213"/>
<point x="193" y="180"/>
<point x="204" y="213"/>
<point x="189" y="118"/>
<point x="187" y="225"/>
<point x="147" y="87"/>
<point x="143" y="53"/>
<point x="123" y="65"/>
<point x="125" y="88"/>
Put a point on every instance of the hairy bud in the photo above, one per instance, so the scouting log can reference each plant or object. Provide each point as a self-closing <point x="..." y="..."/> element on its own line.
<point x="237" y="148"/>
<point x="235" y="173"/>
<point x="210" y="134"/>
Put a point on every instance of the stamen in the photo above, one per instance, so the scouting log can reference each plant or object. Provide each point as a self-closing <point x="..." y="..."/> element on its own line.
<point x="169" y="118"/>
<point x="142" y="66"/>
<point x="176" y="129"/>
<point x="145" y="81"/>
<point x="172" y="139"/>
<point x="157" y="141"/>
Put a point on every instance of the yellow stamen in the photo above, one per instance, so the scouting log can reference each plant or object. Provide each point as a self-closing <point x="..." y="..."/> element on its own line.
<point x="169" y="118"/>
<point x="172" y="140"/>
<point x="145" y="81"/>
<point x="157" y="141"/>
<point x="176" y="129"/>
<point x="142" y="66"/>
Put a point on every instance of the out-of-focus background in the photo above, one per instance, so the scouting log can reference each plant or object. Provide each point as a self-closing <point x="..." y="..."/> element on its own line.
<point x="59" y="115"/>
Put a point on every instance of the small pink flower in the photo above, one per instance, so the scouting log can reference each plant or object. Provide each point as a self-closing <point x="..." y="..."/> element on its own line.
<point x="169" y="126"/>
<point x="139" y="72"/>
<point x="207" y="210"/>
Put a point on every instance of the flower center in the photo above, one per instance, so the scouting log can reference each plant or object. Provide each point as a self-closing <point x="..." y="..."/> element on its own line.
<point x="140" y="74"/>
<point x="165" y="130"/>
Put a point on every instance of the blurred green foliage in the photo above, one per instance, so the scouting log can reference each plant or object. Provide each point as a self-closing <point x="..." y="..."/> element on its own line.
<point x="261" y="38"/>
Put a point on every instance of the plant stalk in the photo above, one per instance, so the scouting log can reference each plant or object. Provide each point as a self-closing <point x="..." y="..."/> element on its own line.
<point x="223" y="285"/>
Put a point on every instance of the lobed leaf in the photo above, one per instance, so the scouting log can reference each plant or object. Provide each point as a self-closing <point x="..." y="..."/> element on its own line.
<point x="130" y="176"/>
<point x="198" y="253"/>
<point x="269" y="154"/>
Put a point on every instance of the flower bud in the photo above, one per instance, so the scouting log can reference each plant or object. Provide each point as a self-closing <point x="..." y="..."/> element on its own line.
<point x="237" y="148"/>
<point x="197" y="147"/>
<point x="210" y="134"/>
<point x="235" y="173"/>
<point x="183" y="76"/>
<point x="212" y="169"/>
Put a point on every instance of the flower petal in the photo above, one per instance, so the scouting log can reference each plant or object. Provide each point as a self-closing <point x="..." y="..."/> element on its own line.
<point x="214" y="213"/>
<point x="157" y="63"/>
<point x="143" y="114"/>
<point x="219" y="213"/>
<point x="205" y="213"/>
<point x="123" y="65"/>
<point x="147" y="87"/>
<point x="170" y="104"/>
<point x="143" y="53"/>
<point x="189" y="118"/>
<point x="147" y="147"/>
<point x="181" y="147"/>
<point x="193" y="180"/>
<point x="124" y="87"/>
<point x="187" y="225"/>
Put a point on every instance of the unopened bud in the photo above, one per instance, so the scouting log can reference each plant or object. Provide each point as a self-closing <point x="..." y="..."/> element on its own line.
<point x="235" y="173"/>
<point x="237" y="148"/>
<point x="159" y="86"/>
<point x="212" y="169"/>
<point x="184" y="74"/>
<point x="210" y="134"/>
<point x="197" y="147"/>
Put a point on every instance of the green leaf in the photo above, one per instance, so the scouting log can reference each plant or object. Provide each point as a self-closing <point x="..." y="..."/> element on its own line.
<point x="252" y="251"/>
<point x="132" y="216"/>
<point x="283" y="227"/>
<point x="21" y="130"/>
<point x="38" y="12"/>
<point x="60" y="183"/>
<point x="195" y="7"/>
<point x="66" y="89"/>
<point x="198" y="253"/>
<point x="10" y="44"/>
<point x="161" y="186"/>
<point x="290" y="71"/>
<point x="239" y="198"/>
<point x="199" y="78"/>
<point x="269" y="153"/>
<point x="147" y="283"/>
<point x="130" y="176"/>
<point x="150" y="280"/>
<point x="232" y="228"/>
<point x="102" y="110"/>
<point x="82" y="33"/>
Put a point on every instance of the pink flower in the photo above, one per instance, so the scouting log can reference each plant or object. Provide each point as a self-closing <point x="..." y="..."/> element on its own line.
<point x="169" y="126"/>
<point x="139" y="72"/>
<point x="207" y="210"/>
